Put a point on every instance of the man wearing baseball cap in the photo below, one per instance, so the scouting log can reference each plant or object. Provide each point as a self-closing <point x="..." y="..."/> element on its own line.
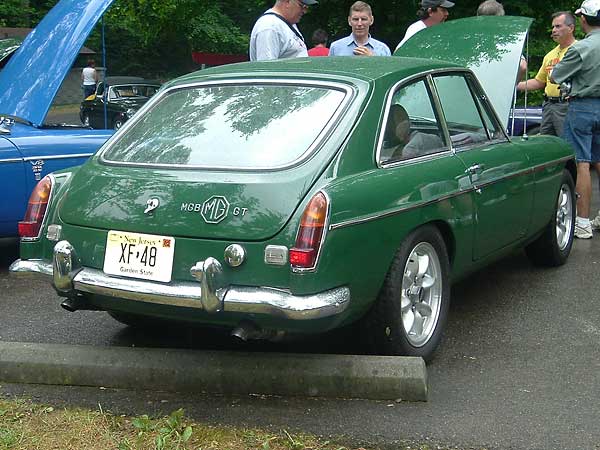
<point x="431" y="12"/>
<point x="579" y="67"/>
<point x="276" y="35"/>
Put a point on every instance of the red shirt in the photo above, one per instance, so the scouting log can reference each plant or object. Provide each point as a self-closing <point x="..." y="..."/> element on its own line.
<point x="318" y="51"/>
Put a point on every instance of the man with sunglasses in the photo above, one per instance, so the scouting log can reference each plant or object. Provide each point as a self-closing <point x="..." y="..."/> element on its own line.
<point x="276" y="35"/>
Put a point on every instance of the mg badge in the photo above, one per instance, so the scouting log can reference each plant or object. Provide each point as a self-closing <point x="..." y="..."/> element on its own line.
<point x="151" y="205"/>
<point x="215" y="209"/>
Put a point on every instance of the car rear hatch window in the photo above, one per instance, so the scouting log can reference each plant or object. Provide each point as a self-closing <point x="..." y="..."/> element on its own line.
<point x="230" y="126"/>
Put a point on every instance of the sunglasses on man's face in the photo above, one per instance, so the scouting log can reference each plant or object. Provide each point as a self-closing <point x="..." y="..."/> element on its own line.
<point x="302" y="5"/>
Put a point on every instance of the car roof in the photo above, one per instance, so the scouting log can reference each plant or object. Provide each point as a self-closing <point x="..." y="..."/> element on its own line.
<point x="325" y="68"/>
<point x="116" y="80"/>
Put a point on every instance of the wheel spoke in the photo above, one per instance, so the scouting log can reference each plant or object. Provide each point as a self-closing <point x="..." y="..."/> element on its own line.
<point x="408" y="320"/>
<point x="405" y="304"/>
<point x="417" y="326"/>
<point x="423" y="309"/>
<point x="423" y="264"/>
<point x="562" y="200"/>
<point x="427" y="282"/>
<point x="412" y="269"/>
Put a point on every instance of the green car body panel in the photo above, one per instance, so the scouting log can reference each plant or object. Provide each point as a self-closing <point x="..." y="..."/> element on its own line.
<point x="373" y="204"/>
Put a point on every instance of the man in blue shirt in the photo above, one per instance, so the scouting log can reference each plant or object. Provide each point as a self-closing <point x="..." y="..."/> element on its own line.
<point x="360" y="42"/>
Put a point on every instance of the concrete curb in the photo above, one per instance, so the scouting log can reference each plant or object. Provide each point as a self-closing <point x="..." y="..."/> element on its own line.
<point x="341" y="376"/>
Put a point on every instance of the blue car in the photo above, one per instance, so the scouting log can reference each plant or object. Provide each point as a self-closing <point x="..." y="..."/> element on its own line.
<point x="30" y="148"/>
<point x="525" y="119"/>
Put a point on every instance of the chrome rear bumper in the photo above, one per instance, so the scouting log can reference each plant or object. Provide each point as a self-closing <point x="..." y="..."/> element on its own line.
<point x="209" y="293"/>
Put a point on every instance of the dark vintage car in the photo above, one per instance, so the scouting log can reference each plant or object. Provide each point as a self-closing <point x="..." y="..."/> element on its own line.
<point x="30" y="145"/>
<point x="7" y="47"/>
<point x="299" y="196"/>
<point x="116" y="99"/>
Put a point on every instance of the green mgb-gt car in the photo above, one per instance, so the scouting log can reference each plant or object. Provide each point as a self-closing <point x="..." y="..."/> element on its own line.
<point x="303" y="195"/>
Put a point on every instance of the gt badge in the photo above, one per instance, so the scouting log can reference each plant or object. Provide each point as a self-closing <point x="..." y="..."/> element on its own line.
<point x="214" y="209"/>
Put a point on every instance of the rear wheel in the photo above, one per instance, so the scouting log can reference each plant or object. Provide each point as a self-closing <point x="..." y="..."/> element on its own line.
<point x="553" y="247"/>
<point x="410" y="313"/>
<point x="118" y="123"/>
<point x="85" y="119"/>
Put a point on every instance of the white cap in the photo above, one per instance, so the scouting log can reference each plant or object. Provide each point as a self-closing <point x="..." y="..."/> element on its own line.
<point x="589" y="8"/>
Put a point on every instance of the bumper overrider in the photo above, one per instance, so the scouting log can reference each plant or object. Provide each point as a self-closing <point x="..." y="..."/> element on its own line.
<point x="209" y="293"/>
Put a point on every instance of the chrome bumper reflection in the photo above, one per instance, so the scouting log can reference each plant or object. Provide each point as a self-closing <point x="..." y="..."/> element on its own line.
<point x="69" y="278"/>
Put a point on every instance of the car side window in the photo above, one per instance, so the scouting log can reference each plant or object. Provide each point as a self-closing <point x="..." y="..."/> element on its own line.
<point x="412" y="127"/>
<point x="469" y="122"/>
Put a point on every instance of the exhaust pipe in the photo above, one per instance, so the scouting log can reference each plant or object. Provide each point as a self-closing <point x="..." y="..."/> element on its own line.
<point x="71" y="304"/>
<point x="247" y="331"/>
<point x="78" y="303"/>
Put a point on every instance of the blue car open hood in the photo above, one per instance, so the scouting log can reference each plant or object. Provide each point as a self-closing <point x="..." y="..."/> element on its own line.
<point x="30" y="80"/>
<point x="491" y="46"/>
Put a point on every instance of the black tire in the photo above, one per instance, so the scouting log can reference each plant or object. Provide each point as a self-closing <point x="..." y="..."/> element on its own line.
<point x="118" y="123"/>
<point x="554" y="245"/>
<point x="85" y="119"/>
<point x="387" y="328"/>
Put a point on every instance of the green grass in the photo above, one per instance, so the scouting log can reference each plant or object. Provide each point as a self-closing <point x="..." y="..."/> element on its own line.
<point x="25" y="425"/>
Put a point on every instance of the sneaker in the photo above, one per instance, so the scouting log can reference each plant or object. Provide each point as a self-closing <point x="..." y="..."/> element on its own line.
<point x="583" y="232"/>
<point x="596" y="222"/>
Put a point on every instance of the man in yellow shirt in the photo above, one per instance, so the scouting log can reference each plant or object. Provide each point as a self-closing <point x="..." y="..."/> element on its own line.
<point x="554" y="109"/>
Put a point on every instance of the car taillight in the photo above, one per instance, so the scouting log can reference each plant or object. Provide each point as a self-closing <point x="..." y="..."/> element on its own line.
<point x="312" y="225"/>
<point x="30" y="226"/>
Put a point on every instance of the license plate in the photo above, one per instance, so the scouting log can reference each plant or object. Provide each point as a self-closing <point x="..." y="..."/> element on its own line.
<point x="136" y="255"/>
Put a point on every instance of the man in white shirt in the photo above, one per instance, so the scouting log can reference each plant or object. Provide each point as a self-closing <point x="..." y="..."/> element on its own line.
<point x="431" y="12"/>
<point x="276" y="35"/>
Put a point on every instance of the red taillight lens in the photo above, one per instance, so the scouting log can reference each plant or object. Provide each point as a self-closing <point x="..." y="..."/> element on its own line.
<point x="30" y="226"/>
<point x="304" y="254"/>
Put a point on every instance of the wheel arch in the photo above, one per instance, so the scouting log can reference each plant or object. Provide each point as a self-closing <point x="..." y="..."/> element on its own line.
<point x="448" y="236"/>
<point x="572" y="168"/>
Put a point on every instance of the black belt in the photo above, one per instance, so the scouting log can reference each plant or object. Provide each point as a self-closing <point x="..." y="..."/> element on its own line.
<point x="554" y="99"/>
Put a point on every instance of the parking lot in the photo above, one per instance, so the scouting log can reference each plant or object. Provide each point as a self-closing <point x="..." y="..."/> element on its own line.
<point x="517" y="368"/>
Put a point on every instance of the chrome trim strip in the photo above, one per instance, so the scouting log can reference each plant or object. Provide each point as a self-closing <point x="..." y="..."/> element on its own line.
<point x="45" y="158"/>
<point x="31" y="267"/>
<point x="240" y="299"/>
<point x="74" y="155"/>
<point x="347" y="89"/>
<point x="402" y="209"/>
<point x="396" y="211"/>
<point x="280" y="304"/>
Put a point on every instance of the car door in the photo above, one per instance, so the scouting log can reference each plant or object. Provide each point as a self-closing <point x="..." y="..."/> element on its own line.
<point x="422" y="178"/>
<point x="13" y="187"/>
<point x="497" y="169"/>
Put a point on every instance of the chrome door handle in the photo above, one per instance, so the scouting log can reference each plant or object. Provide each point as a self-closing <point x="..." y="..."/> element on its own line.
<point x="475" y="169"/>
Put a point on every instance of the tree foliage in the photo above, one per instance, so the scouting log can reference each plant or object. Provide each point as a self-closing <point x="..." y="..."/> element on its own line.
<point x="157" y="36"/>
